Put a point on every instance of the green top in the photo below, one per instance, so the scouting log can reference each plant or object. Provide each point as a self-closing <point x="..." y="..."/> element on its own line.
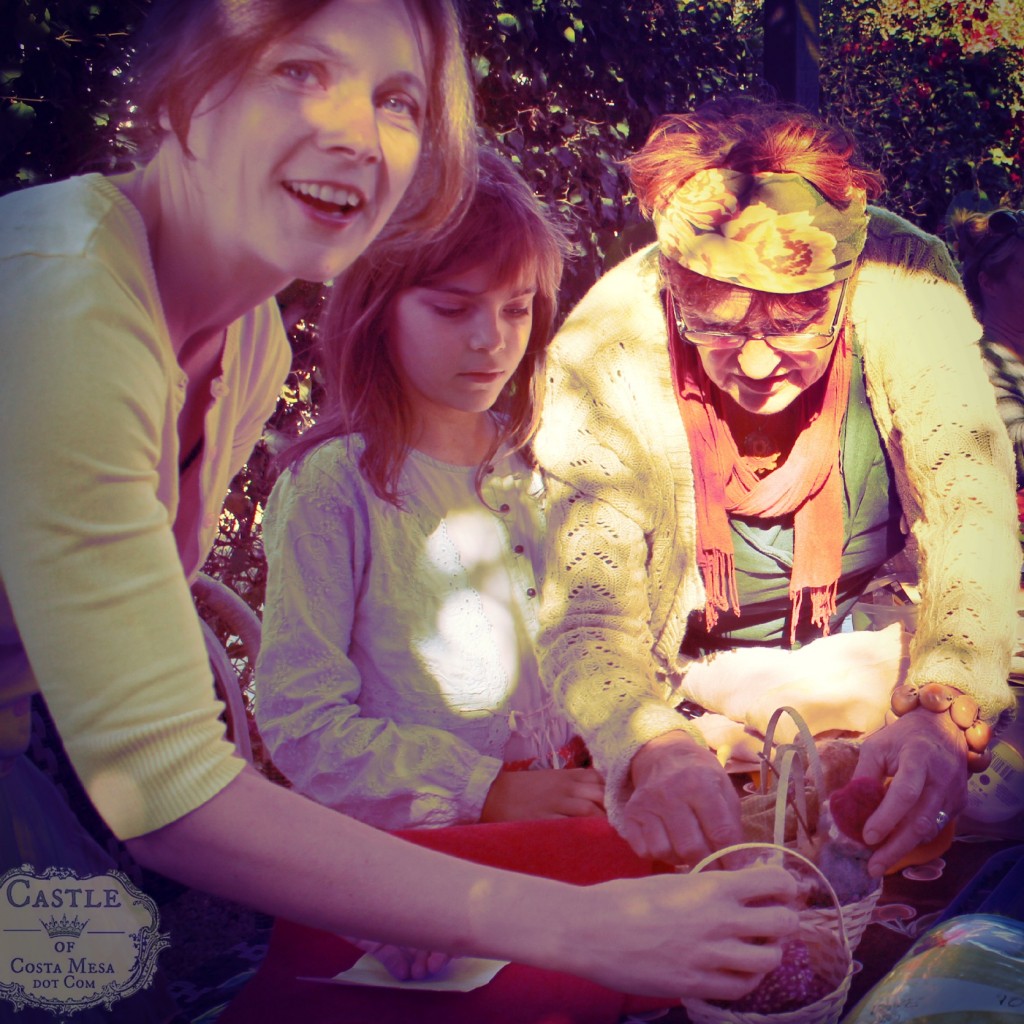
<point x="764" y="551"/>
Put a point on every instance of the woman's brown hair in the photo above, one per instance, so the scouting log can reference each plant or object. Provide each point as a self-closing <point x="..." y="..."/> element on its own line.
<point x="744" y="134"/>
<point x="981" y="249"/>
<point x="188" y="47"/>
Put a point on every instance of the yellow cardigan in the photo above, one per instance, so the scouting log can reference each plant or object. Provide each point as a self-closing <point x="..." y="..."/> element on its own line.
<point x="94" y="598"/>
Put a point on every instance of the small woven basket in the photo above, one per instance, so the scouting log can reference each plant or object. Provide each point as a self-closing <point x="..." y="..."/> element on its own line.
<point x="831" y="957"/>
<point x="790" y="759"/>
<point x="855" y="916"/>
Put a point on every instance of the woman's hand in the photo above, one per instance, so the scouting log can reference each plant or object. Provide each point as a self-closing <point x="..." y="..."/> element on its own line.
<point x="402" y="962"/>
<point x="544" y="793"/>
<point x="712" y="935"/>
<point x="926" y="755"/>
<point x="683" y="806"/>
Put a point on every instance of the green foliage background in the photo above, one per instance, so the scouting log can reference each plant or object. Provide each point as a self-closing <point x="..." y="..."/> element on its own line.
<point x="567" y="88"/>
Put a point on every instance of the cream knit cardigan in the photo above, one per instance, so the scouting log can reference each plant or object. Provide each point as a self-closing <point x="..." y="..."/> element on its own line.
<point x="621" y="571"/>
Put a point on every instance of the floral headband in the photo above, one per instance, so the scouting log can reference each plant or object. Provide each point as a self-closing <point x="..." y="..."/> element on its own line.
<point x="769" y="232"/>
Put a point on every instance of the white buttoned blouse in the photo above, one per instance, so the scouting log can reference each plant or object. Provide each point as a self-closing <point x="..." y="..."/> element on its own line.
<point x="398" y="668"/>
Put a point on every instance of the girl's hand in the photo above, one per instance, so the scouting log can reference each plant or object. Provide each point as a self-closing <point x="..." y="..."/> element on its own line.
<point x="926" y="755"/>
<point x="544" y="793"/>
<point x="712" y="935"/>
<point x="404" y="963"/>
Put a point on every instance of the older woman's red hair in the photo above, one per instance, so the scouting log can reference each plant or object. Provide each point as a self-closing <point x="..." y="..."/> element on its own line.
<point x="742" y="134"/>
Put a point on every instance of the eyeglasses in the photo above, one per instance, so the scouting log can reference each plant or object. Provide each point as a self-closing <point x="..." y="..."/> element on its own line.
<point x="797" y="341"/>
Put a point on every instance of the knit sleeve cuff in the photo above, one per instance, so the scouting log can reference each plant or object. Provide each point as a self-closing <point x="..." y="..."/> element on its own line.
<point x="614" y="758"/>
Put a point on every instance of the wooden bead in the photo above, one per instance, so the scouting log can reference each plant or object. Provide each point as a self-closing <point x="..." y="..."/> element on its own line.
<point x="978" y="761"/>
<point x="978" y="735"/>
<point x="937" y="697"/>
<point x="904" y="699"/>
<point x="964" y="711"/>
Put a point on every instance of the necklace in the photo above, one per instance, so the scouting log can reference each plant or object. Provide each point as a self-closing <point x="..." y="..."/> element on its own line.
<point x="759" y="445"/>
<point x="760" y="440"/>
<point x="760" y="452"/>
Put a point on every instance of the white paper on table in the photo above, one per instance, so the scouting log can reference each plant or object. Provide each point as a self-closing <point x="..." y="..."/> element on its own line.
<point x="462" y="974"/>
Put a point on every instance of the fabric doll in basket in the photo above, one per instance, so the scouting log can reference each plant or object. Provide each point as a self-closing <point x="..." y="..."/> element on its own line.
<point x="811" y="983"/>
<point x="805" y="799"/>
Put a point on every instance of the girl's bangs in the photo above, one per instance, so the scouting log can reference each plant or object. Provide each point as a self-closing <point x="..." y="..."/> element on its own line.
<point x="506" y="253"/>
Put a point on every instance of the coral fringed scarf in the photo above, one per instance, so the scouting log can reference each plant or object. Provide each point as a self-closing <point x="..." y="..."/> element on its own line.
<point x="808" y="484"/>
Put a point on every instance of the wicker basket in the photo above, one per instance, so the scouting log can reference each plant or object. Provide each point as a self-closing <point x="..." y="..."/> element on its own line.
<point x="855" y="916"/>
<point x="830" y="954"/>
<point x="789" y="762"/>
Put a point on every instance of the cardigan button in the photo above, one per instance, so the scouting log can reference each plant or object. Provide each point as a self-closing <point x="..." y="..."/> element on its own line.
<point x="531" y="592"/>
<point x="519" y="549"/>
<point x="504" y="509"/>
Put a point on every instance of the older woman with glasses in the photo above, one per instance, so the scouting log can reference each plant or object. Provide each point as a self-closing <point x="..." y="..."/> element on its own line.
<point x="744" y="422"/>
<point x="991" y="249"/>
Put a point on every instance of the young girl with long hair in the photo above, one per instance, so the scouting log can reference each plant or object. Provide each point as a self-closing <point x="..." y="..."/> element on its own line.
<point x="398" y="673"/>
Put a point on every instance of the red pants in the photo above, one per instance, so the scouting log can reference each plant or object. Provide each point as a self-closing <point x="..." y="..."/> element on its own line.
<point x="578" y="850"/>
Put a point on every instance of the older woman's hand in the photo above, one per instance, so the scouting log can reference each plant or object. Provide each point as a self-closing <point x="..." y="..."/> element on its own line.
<point x="926" y="755"/>
<point x="683" y="806"/>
